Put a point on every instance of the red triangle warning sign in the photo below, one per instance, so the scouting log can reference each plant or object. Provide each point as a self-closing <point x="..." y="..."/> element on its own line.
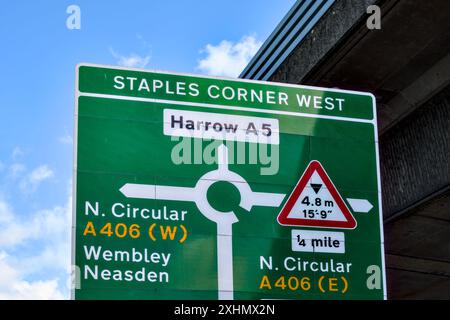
<point x="315" y="202"/>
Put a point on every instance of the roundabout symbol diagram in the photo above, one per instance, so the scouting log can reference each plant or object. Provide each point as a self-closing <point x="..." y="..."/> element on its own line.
<point x="224" y="220"/>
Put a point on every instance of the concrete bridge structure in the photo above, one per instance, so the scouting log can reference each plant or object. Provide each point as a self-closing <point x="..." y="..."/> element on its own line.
<point x="406" y="65"/>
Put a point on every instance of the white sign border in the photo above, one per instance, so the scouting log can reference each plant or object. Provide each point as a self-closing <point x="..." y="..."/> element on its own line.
<point x="75" y="138"/>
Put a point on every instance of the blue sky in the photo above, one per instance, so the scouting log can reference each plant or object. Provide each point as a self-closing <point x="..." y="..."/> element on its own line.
<point x="37" y="62"/>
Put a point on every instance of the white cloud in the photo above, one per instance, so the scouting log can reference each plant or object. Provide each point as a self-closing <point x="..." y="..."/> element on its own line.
<point x="132" y="60"/>
<point x="32" y="181"/>
<point x="13" y="286"/>
<point x="52" y="228"/>
<point x="228" y="58"/>
<point x="48" y="233"/>
<point x="44" y="223"/>
<point x="66" y="139"/>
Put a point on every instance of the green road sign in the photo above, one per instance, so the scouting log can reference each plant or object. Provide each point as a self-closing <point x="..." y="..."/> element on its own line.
<point x="193" y="187"/>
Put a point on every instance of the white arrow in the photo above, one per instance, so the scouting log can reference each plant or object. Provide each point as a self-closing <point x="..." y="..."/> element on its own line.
<point x="150" y="191"/>
<point x="360" y="205"/>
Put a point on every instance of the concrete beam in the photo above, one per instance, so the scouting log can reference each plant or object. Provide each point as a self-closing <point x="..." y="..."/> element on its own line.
<point x="416" y="94"/>
<point x="326" y="35"/>
<point x="414" y="155"/>
<point x="414" y="264"/>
